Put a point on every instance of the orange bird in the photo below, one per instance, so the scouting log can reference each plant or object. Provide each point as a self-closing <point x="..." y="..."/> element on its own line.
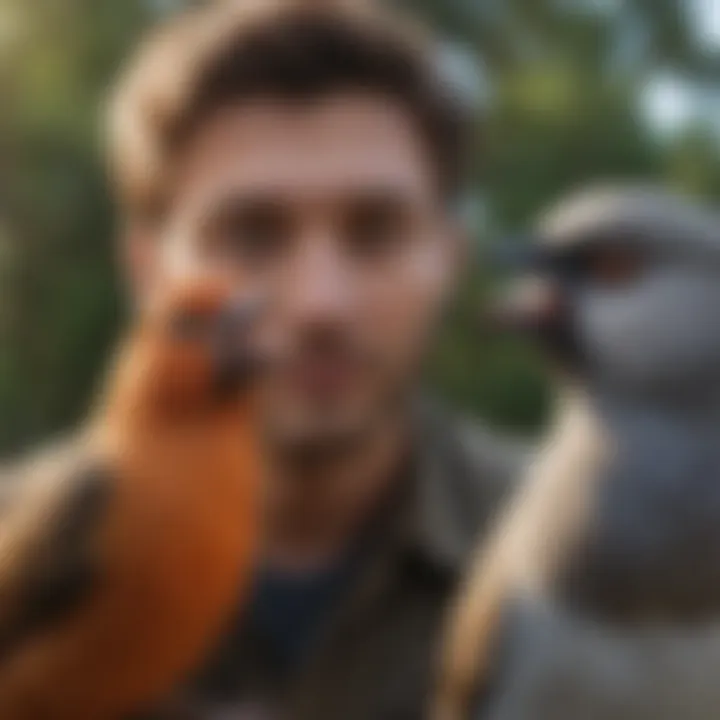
<point x="118" y="574"/>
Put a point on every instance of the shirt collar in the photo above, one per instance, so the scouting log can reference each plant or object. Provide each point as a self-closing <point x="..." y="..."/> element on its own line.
<point x="445" y="510"/>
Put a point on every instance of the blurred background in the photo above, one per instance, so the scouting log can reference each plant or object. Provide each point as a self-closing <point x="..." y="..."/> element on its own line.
<point x="571" y="91"/>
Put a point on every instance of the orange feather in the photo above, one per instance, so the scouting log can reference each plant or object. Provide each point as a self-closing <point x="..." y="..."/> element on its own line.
<point x="175" y="547"/>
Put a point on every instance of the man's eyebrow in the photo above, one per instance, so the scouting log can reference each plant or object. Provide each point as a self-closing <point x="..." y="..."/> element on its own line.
<point x="240" y="202"/>
<point x="277" y="200"/>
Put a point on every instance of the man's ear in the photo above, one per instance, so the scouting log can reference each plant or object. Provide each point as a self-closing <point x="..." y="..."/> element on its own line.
<point x="139" y="259"/>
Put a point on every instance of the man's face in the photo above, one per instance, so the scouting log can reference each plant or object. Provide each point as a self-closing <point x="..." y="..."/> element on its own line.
<point x="330" y="209"/>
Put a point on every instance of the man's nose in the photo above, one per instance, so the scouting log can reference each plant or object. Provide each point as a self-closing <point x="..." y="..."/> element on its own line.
<point x="320" y="286"/>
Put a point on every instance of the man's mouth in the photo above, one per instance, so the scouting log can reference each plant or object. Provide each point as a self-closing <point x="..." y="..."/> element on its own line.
<point x="324" y="376"/>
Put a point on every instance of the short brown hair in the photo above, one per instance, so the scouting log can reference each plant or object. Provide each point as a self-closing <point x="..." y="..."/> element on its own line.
<point x="228" y="51"/>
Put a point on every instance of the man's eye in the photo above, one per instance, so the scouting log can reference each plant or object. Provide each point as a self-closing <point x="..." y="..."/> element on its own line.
<point x="376" y="231"/>
<point x="253" y="236"/>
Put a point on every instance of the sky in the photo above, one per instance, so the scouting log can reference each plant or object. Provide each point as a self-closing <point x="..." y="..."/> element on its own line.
<point x="707" y="21"/>
<point x="669" y="102"/>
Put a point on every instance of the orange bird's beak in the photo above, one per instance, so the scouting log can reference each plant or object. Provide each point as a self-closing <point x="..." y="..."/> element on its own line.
<point x="238" y="357"/>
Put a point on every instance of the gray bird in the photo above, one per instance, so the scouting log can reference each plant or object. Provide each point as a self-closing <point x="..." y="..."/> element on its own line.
<point x="599" y="598"/>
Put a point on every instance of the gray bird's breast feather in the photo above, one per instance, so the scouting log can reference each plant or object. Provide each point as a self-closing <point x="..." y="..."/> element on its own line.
<point x="559" y="667"/>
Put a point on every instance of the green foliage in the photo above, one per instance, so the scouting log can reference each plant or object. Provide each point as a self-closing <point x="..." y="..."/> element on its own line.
<point x="563" y="110"/>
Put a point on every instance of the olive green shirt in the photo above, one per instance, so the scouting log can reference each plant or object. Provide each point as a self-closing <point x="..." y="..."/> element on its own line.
<point x="375" y="657"/>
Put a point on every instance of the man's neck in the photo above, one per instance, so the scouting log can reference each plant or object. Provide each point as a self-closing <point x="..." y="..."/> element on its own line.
<point x="316" y="507"/>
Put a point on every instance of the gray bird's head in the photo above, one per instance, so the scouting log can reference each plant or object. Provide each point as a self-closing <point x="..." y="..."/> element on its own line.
<point x="627" y="291"/>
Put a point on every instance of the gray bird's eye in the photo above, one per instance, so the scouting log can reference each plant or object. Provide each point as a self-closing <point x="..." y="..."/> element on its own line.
<point x="614" y="266"/>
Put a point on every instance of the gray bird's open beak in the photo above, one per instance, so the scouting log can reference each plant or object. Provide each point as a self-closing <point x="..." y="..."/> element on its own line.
<point x="531" y="305"/>
<point x="534" y="304"/>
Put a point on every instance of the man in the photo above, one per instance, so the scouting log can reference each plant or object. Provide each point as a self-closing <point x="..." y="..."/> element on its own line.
<point x="314" y="153"/>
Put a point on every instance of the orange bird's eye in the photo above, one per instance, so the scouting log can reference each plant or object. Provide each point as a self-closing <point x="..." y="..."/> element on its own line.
<point x="189" y="326"/>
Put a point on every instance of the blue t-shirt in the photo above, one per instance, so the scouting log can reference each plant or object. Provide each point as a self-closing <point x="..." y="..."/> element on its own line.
<point x="289" y="609"/>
